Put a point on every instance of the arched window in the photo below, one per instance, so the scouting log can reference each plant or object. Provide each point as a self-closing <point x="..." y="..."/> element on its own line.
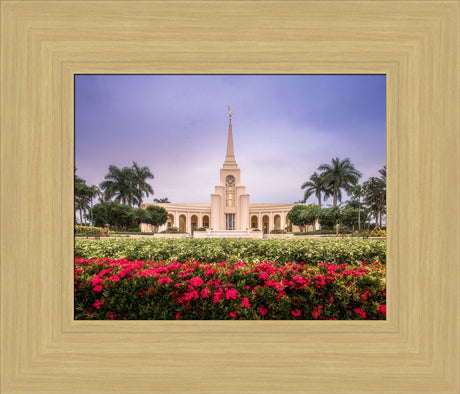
<point x="170" y="222"/>
<point x="265" y="224"/>
<point x="194" y="222"/>
<point x="206" y="221"/>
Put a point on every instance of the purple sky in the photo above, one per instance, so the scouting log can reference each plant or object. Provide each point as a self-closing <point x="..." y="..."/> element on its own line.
<point x="284" y="127"/>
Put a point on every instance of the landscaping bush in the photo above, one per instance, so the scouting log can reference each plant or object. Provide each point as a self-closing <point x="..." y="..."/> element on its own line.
<point x="316" y="232"/>
<point x="277" y="231"/>
<point x="379" y="233"/>
<point x="171" y="230"/>
<point x="138" y="290"/>
<point x="86" y="229"/>
<point x="310" y="251"/>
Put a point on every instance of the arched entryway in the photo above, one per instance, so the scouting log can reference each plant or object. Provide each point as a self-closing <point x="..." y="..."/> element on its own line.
<point x="277" y="222"/>
<point x="170" y="222"/>
<point x="265" y="224"/>
<point x="194" y="222"/>
<point x="206" y="221"/>
<point x="254" y="221"/>
<point x="182" y="223"/>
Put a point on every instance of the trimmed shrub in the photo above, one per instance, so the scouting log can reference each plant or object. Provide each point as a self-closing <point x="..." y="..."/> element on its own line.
<point x="310" y="251"/>
<point x="86" y="229"/>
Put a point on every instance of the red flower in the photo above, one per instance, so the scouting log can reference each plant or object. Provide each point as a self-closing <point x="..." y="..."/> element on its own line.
<point x="97" y="304"/>
<point x="205" y="293"/>
<point x="296" y="313"/>
<point x="383" y="310"/>
<point x="191" y="295"/>
<point x="360" y="312"/>
<point x="245" y="303"/>
<point x="233" y="314"/>
<point x="263" y="276"/>
<point x="196" y="281"/>
<point x="96" y="280"/>
<point x="97" y="288"/>
<point x="366" y="294"/>
<point x="164" y="280"/>
<point x="263" y="311"/>
<point x="231" y="294"/>
<point x="317" y="312"/>
<point x="217" y="296"/>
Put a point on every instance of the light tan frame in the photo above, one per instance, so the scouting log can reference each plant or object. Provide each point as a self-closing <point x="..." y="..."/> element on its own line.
<point x="43" y="44"/>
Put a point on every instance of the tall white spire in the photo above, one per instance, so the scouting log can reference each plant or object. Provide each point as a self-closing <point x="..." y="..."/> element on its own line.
<point x="230" y="161"/>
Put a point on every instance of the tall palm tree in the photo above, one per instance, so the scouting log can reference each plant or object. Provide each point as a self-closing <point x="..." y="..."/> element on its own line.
<point x="77" y="179"/>
<point x="315" y="186"/>
<point x="141" y="174"/>
<point x="339" y="175"/>
<point x="121" y="184"/>
<point x="81" y="198"/>
<point x="383" y="174"/>
<point x="375" y="197"/>
<point x="357" y="193"/>
<point x="79" y="189"/>
<point x="92" y="192"/>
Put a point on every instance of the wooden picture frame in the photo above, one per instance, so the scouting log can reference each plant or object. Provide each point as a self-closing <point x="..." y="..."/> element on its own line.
<point x="44" y="43"/>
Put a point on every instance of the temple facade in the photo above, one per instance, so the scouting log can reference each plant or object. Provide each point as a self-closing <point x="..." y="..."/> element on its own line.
<point x="229" y="209"/>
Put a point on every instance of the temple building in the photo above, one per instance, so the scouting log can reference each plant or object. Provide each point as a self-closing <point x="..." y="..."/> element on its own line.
<point x="229" y="210"/>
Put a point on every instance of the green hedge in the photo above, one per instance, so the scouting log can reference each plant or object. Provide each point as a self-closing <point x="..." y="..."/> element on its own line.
<point x="310" y="251"/>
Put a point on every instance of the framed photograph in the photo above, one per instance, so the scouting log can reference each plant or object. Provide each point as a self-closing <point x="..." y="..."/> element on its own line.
<point x="44" y="45"/>
<point x="277" y="213"/>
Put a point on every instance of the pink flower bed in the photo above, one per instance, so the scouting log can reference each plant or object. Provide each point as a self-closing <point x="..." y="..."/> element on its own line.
<point x="144" y="290"/>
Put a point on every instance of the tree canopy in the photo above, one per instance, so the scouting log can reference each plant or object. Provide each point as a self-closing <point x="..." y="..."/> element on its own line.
<point x="316" y="185"/>
<point x="301" y="215"/>
<point x="156" y="215"/>
<point x="127" y="185"/>
<point x="338" y="176"/>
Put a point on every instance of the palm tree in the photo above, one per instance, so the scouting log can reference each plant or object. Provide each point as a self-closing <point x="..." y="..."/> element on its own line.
<point x="77" y="179"/>
<point x="121" y="184"/>
<point x="79" y="188"/>
<point x="315" y="186"/>
<point x="383" y="174"/>
<point x="375" y="197"/>
<point x="141" y="174"/>
<point x="92" y="192"/>
<point x="162" y="200"/>
<point x="81" y="198"/>
<point x="340" y="174"/>
<point x="357" y="193"/>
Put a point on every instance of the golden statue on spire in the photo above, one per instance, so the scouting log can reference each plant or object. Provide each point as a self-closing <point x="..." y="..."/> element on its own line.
<point x="229" y="111"/>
